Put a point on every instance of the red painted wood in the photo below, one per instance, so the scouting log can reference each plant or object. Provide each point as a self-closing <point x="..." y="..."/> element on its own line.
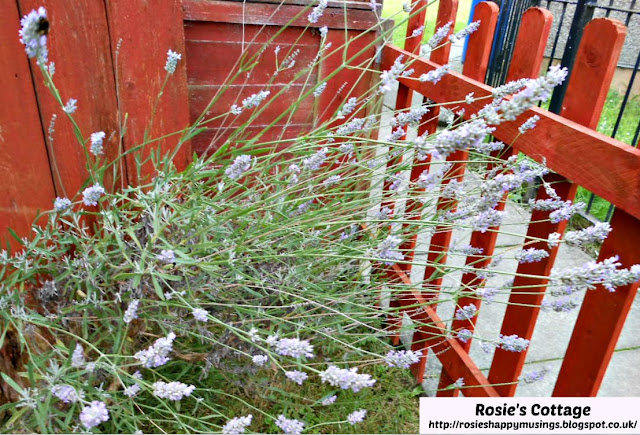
<point x="416" y="20"/>
<point x="567" y="147"/>
<point x="526" y="61"/>
<point x="26" y="182"/>
<point x="433" y="332"/>
<point x="601" y="317"/>
<point x="477" y="59"/>
<point x="530" y="45"/>
<point x="275" y="14"/>
<point x="340" y="69"/>
<point x="478" y="52"/>
<point x="596" y="67"/>
<point x="447" y="12"/>
<point x="141" y="61"/>
<point x="80" y="47"/>
<point x="597" y="58"/>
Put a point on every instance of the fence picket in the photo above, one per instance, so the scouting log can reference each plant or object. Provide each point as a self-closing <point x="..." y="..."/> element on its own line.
<point x="82" y="52"/>
<point x="447" y="11"/>
<point x="141" y="74"/>
<point x="26" y="182"/>
<point x="596" y="61"/>
<point x="479" y="49"/>
<point x="601" y="317"/>
<point x="526" y="61"/>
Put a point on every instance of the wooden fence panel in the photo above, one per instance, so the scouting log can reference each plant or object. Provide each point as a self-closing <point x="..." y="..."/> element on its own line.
<point x="526" y="61"/>
<point x="26" y="183"/>
<point x="148" y="30"/>
<point x="596" y="59"/>
<point x="80" y="47"/>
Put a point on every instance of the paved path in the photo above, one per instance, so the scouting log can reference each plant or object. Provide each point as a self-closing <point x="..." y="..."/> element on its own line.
<point x="553" y="330"/>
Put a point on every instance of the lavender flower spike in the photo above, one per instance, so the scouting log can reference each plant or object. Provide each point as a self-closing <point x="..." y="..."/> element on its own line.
<point x="92" y="194"/>
<point x="33" y="34"/>
<point x="172" y="61"/>
<point x="94" y="414"/>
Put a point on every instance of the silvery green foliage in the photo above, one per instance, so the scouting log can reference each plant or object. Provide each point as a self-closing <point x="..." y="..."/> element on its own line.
<point x="258" y="270"/>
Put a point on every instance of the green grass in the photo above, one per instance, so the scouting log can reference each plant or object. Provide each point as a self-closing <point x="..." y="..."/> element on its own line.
<point x="393" y="9"/>
<point x="625" y="133"/>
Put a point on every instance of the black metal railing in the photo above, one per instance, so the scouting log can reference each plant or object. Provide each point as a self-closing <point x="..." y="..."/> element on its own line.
<point x="621" y="116"/>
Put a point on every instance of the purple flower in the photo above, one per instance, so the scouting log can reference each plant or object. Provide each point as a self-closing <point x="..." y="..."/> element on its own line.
<point x="33" y="34"/>
<point x="466" y="313"/>
<point x="200" y="315"/>
<point x="288" y="426"/>
<point x="172" y="390"/>
<point x="530" y="255"/>
<point x="357" y="416"/>
<point x="464" y="335"/>
<point x="297" y="376"/>
<point x="172" y="61"/>
<point x="65" y="393"/>
<point x="61" y="204"/>
<point x="91" y="195"/>
<point x="513" y="343"/>
<point x="347" y="379"/>
<point x="240" y="165"/>
<point x="166" y="256"/>
<point x="329" y="400"/>
<point x="132" y="311"/>
<point x="294" y="347"/>
<point x="156" y="355"/>
<point x="237" y="425"/>
<point x="260" y="360"/>
<point x="94" y="414"/>
<point x="97" y="140"/>
<point x="402" y="358"/>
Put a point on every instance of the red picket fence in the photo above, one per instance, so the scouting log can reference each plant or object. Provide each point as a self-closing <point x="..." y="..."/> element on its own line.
<point x="569" y="146"/>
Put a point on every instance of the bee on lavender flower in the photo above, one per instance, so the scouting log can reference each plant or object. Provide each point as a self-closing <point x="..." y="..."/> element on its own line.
<point x="42" y="26"/>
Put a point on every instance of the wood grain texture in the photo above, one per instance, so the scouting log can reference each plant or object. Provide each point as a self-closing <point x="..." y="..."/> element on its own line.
<point x="530" y="45"/>
<point x="80" y="47"/>
<point x="276" y="14"/>
<point x="26" y="182"/>
<point x="141" y="62"/>
<point x="349" y="51"/>
<point x="567" y="147"/>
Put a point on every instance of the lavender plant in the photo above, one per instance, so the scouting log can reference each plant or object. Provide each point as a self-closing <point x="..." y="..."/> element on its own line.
<point x="243" y="294"/>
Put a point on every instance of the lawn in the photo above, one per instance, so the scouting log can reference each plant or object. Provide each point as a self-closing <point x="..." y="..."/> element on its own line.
<point x="626" y="130"/>
<point x="393" y="9"/>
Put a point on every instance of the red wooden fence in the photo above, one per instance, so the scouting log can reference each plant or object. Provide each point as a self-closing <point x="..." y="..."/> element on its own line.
<point x="105" y="75"/>
<point x="569" y="146"/>
<point x="110" y="56"/>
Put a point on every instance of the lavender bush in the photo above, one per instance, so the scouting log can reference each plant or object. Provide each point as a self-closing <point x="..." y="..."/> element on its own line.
<point x="243" y="293"/>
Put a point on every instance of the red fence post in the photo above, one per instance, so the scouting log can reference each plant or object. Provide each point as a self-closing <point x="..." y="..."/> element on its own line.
<point x="80" y="47"/>
<point x="26" y="182"/>
<point x="148" y="30"/>
<point x="479" y="51"/>
<point x="601" y="317"/>
<point x="526" y="61"/>
<point x="595" y="64"/>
